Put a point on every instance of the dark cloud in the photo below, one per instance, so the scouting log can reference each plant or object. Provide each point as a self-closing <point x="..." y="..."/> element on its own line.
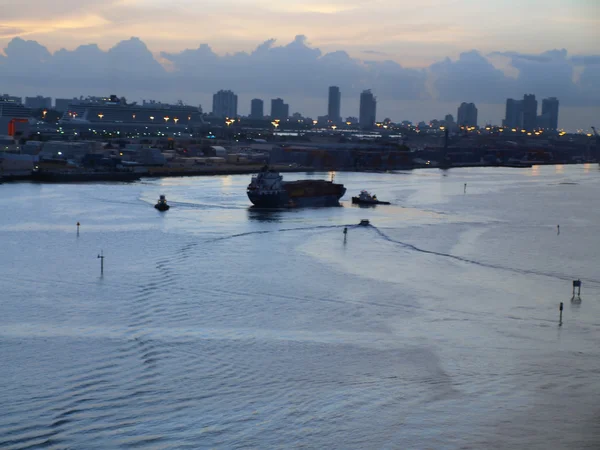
<point x="292" y="68"/>
<point x="585" y="60"/>
<point x="296" y="71"/>
<point x="471" y="78"/>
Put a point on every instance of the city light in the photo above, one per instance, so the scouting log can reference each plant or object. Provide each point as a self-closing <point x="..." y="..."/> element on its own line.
<point x="166" y="119"/>
<point x="175" y="120"/>
<point x="100" y="115"/>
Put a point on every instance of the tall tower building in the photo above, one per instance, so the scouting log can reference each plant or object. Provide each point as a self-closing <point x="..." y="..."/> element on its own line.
<point x="368" y="110"/>
<point x="467" y="115"/>
<point x="279" y="109"/>
<point x="257" y="108"/>
<point x="514" y="113"/>
<point x="529" y="112"/>
<point x="333" y="107"/>
<point x="225" y="104"/>
<point x="550" y="112"/>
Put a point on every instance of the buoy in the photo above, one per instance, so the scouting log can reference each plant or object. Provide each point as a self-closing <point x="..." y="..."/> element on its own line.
<point x="576" y="284"/>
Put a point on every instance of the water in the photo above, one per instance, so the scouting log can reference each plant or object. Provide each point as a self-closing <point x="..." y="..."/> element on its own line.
<point x="218" y="326"/>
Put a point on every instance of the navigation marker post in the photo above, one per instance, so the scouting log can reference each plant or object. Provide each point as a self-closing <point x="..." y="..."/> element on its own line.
<point x="78" y="228"/>
<point x="101" y="256"/>
<point x="561" y="310"/>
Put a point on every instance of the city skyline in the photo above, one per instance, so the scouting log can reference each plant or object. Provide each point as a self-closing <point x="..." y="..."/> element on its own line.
<point x="520" y="114"/>
<point x="299" y="72"/>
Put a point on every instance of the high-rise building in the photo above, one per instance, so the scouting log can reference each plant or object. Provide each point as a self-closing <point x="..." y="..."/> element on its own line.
<point x="225" y="104"/>
<point x="368" y="109"/>
<point x="62" y="104"/>
<point x="279" y="109"/>
<point x="467" y="115"/>
<point x="333" y="107"/>
<point x="529" y="112"/>
<point x="514" y="113"/>
<point x="38" y="102"/>
<point x="257" y="107"/>
<point x="550" y="113"/>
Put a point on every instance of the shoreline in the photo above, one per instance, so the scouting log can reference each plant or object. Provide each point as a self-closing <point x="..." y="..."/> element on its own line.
<point x="252" y="169"/>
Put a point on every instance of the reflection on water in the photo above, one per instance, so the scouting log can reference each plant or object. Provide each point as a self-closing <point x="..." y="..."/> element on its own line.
<point x="266" y="215"/>
<point x="559" y="169"/>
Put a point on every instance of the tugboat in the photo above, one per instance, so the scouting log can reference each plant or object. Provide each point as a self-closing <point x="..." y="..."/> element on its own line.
<point x="162" y="204"/>
<point x="367" y="199"/>
<point x="268" y="190"/>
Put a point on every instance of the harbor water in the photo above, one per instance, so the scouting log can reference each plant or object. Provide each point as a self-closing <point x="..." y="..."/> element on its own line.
<point x="217" y="325"/>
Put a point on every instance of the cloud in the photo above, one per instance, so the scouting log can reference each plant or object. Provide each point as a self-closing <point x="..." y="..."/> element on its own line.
<point x="585" y="60"/>
<point x="10" y="31"/>
<point x="296" y="71"/>
<point x="375" y="52"/>
<point x="471" y="78"/>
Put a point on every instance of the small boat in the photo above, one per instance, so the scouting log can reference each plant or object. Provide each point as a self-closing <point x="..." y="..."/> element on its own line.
<point x="367" y="199"/>
<point x="162" y="204"/>
<point x="364" y="223"/>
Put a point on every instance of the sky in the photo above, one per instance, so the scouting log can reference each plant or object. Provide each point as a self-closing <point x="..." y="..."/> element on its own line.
<point x="421" y="58"/>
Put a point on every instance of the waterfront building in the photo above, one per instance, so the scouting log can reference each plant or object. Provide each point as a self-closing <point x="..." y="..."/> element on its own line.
<point x="549" y="113"/>
<point x="225" y="104"/>
<point x="62" y="104"/>
<point x="38" y="102"/>
<point x="257" y="109"/>
<point x="334" y="104"/>
<point x="467" y="115"/>
<point x="279" y="109"/>
<point x="514" y="113"/>
<point x="529" y="112"/>
<point x="368" y="110"/>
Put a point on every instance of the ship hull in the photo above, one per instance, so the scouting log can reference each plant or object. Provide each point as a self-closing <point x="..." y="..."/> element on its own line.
<point x="269" y="200"/>
<point x="359" y="201"/>
<point x="284" y="200"/>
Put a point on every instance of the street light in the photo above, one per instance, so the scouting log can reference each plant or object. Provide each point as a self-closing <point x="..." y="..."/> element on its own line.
<point x="175" y="120"/>
<point x="100" y="115"/>
<point x="166" y="119"/>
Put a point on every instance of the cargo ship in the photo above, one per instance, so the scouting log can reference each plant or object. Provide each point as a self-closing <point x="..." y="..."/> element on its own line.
<point x="268" y="190"/>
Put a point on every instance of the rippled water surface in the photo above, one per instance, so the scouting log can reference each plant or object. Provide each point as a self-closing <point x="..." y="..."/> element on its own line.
<point x="219" y="326"/>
